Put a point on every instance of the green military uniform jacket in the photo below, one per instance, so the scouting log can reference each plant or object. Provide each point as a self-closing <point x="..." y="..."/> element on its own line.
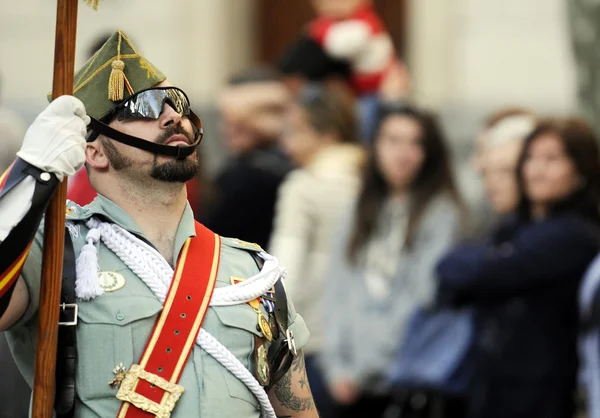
<point x="114" y="327"/>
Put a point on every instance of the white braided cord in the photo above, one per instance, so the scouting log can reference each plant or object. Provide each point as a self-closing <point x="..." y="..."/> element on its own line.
<point x="220" y="353"/>
<point x="150" y="266"/>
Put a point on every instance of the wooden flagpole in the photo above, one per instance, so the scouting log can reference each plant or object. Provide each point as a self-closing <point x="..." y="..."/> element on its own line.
<point x="54" y="230"/>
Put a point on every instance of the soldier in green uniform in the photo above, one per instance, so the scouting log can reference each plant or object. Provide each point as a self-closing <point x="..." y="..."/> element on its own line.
<point x="138" y="138"/>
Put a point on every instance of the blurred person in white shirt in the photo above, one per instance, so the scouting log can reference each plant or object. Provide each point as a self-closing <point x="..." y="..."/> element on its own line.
<point x="321" y="138"/>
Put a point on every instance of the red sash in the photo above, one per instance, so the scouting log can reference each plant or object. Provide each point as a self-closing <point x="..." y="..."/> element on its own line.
<point x="150" y="388"/>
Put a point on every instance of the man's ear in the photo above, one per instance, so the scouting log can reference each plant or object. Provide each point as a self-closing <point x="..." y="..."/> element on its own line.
<point x="95" y="156"/>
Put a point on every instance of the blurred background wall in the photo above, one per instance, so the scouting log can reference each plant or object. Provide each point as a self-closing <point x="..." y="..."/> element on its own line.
<point x="466" y="56"/>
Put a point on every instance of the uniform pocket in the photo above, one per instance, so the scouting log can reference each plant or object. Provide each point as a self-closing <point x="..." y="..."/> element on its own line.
<point x="112" y="329"/>
<point x="237" y="328"/>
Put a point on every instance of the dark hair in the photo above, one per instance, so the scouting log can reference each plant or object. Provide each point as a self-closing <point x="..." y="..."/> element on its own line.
<point x="581" y="146"/>
<point x="329" y="110"/>
<point x="434" y="177"/>
<point x="306" y="58"/>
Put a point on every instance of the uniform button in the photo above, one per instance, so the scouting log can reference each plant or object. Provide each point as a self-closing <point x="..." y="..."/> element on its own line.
<point x="45" y="176"/>
<point x="120" y="316"/>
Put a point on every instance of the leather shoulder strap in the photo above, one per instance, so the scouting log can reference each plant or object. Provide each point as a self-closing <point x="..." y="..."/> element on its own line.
<point x="66" y="355"/>
<point x="281" y="303"/>
<point x="280" y="357"/>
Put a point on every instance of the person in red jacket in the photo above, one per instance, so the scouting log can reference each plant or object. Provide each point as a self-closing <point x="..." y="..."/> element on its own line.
<point x="79" y="190"/>
<point x="348" y="40"/>
<point x="353" y="31"/>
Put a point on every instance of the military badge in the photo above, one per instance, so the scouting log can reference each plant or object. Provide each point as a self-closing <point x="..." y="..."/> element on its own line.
<point x="263" y="324"/>
<point x="111" y="281"/>
<point x="262" y="364"/>
<point x="119" y="371"/>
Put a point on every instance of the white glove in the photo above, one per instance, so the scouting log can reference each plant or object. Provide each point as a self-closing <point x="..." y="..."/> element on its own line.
<point x="55" y="142"/>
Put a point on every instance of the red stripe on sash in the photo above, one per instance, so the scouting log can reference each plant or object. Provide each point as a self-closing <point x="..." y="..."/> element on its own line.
<point x="4" y="176"/>
<point x="175" y="332"/>
<point x="8" y="277"/>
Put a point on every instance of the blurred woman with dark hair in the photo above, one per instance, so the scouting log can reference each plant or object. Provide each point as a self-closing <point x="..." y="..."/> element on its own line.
<point x="407" y="216"/>
<point x="524" y="281"/>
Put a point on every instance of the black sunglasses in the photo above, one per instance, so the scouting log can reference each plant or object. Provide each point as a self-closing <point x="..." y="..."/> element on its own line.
<point x="148" y="105"/>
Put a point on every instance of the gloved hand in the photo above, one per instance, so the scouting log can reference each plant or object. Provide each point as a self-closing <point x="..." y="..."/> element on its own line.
<point x="55" y="141"/>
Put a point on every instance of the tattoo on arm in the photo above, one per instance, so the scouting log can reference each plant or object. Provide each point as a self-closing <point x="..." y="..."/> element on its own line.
<point x="295" y="377"/>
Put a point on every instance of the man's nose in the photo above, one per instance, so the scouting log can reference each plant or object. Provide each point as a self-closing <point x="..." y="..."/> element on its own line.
<point x="169" y="116"/>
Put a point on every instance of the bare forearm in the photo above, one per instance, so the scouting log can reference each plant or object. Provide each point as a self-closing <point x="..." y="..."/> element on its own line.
<point x="291" y="396"/>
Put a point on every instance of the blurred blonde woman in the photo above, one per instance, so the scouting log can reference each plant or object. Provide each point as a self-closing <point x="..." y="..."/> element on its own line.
<point x="481" y="143"/>
<point x="504" y="142"/>
<point x="321" y="139"/>
<point x="498" y="129"/>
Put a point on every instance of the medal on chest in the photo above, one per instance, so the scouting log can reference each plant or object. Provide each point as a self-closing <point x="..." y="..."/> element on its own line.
<point x="263" y="324"/>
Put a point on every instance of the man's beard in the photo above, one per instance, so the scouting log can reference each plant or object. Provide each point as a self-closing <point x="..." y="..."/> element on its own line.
<point x="172" y="171"/>
<point x="176" y="171"/>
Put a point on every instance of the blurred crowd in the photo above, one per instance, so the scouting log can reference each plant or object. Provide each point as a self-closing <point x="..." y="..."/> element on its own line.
<point x="420" y="302"/>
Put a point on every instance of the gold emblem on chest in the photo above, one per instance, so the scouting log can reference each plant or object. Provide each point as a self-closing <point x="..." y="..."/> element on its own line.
<point x="263" y="372"/>
<point x="111" y="281"/>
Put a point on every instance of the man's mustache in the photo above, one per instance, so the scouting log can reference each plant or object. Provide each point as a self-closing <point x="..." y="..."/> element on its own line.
<point x="173" y="130"/>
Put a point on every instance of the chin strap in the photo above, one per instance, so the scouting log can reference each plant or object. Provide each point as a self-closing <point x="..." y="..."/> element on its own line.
<point x="180" y="152"/>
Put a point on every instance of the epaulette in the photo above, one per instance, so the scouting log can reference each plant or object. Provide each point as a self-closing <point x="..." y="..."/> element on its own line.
<point x="75" y="212"/>
<point x="242" y="245"/>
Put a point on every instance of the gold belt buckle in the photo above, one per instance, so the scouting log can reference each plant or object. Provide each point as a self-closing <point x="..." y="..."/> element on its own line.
<point x="127" y="392"/>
